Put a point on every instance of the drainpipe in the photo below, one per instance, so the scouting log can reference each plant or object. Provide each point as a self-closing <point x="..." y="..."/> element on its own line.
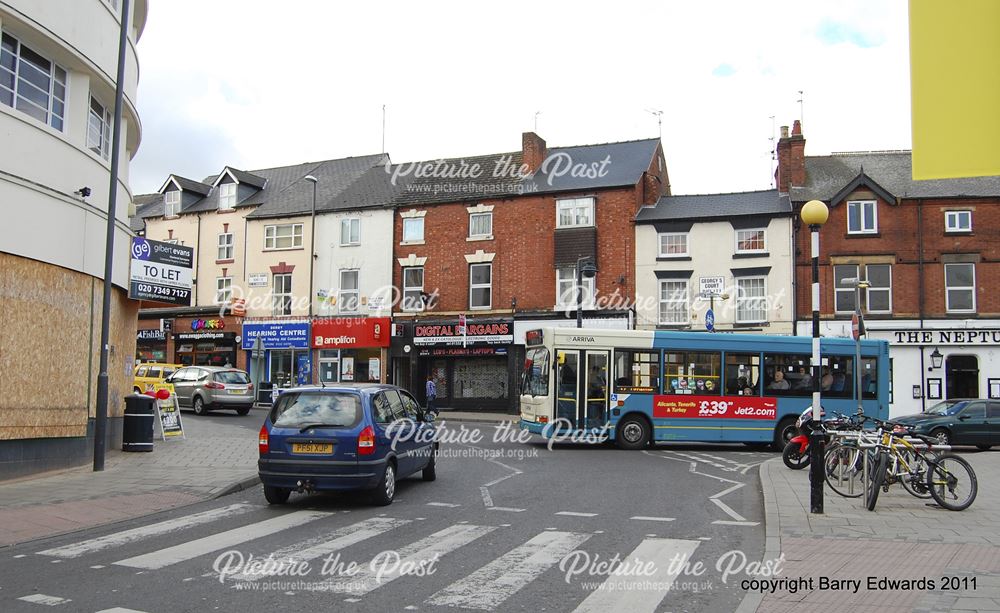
<point x="795" y="274"/>
<point x="920" y="276"/>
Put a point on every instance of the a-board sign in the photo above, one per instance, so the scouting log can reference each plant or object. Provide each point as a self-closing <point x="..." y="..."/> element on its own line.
<point x="168" y="413"/>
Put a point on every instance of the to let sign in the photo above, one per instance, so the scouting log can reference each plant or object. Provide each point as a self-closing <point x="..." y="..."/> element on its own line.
<point x="160" y="272"/>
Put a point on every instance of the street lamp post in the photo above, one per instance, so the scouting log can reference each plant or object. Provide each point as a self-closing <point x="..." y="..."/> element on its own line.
<point x="814" y="214"/>
<point x="312" y="258"/>
<point x="584" y="268"/>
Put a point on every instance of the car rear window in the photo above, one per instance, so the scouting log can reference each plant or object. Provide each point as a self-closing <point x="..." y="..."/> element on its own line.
<point x="334" y="409"/>
<point x="235" y="377"/>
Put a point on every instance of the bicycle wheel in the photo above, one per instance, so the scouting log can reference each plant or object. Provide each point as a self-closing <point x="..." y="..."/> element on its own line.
<point x="915" y="483"/>
<point x="877" y="477"/>
<point x="952" y="482"/>
<point x="844" y="473"/>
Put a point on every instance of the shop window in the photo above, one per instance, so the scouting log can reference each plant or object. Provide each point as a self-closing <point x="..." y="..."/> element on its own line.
<point x="691" y="373"/>
<point x="329" y="365"/>
<point x="742" y="374"/>
<point x="637" y="372"/>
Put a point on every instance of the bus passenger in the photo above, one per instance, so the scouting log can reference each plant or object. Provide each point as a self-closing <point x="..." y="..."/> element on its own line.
<point x="779" y="383"/>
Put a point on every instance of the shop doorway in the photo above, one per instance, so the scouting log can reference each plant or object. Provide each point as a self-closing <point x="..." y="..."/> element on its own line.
<point x="962" y="376"/>
<point x="283" y="367"/>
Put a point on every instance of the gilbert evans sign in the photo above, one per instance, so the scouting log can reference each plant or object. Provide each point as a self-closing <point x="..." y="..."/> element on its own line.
<point x="945" y="337"/>
<point x="160" y="272"/>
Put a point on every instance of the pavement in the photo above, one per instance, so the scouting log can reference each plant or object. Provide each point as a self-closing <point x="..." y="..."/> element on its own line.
<point x="904" y="538"/>
<point x="214" y="459"/>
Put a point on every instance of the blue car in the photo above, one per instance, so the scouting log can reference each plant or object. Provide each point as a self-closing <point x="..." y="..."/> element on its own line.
<point x="345" y="437"/>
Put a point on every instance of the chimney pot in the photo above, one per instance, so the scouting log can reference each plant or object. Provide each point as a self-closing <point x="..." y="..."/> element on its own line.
<point x="797" y="128"/>
<point x="784" y="131"/>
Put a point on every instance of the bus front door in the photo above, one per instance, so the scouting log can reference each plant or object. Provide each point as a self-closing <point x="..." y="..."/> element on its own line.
<point x="568" y="396"/>
<point x="596" y="409"/>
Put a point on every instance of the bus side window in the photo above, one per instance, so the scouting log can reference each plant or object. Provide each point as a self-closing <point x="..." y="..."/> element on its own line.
<point x="869" y="378"/>
<point x="636" y="372"/>
<point x="692" y="372"/>
<point x="787" y="374"/>
<point x="742" y="374"/>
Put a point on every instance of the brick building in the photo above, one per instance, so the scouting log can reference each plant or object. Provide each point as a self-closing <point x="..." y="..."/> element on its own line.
<point x="497" y="238"/>
<point x="930" y="251"/>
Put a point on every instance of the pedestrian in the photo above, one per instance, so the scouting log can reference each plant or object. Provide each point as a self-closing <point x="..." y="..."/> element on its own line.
<point x="431" y="394"/>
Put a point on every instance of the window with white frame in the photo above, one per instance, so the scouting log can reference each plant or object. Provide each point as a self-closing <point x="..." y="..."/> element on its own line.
<point x="225" y="246"/>
<point x="566" y="288"/>
<point x="958" y="221"/>
<point x="674" y="307"/>
<point x="843" y="293"/>
<point x="281" y="294"/>
<point x="285" y="236"/>
<point x="350" y="231"/>
<point x="673" y="244"/>
<point x="878" y="296"/>
<point x="172" y="203"/>
<point x="751" y="300"/>
<point x="960" y="287"/>
<point x="227" y="196"/>
<point x="480" y="225"/>
<point x="31" y="83"/>
<point x="99" y="129"/>
<point x="413" y="288"/>
<point x="223" y="290"/>
<point x="413" y="229"/>
<point x="574" y="212"/>
<point x="862" y="217"/>
<point x="348" y="300"/>
<point x="750" y="241"/>
<point x="480" y="286"/>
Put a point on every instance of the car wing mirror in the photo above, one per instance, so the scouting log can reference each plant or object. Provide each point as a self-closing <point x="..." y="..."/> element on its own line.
<point x="429" y="417"/>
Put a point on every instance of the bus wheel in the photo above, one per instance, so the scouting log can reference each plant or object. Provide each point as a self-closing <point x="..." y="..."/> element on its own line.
<point x="784" y="432"/>
<point x="633" y="432"/>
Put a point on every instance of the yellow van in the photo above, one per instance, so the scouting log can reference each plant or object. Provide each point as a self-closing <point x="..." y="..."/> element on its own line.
<point x="150" y="373"/>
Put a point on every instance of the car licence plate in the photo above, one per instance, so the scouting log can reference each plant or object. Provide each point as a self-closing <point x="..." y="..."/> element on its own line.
<point x="234" y="391"/>
<point x="312" y="448"/>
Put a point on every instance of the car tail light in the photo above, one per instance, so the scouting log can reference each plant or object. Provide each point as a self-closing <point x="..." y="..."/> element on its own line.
<point x="212" y="385"/>
<point x="263" y="441"/>
<point x="366" y="441"/>
<point x="249" y="387"/>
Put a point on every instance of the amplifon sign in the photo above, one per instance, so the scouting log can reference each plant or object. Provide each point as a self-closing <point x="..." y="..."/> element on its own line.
<point x="345" y="333"/>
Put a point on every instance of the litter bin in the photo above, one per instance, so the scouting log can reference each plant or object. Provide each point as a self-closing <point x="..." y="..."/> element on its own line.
<point x="137" y="429"/>
<point x="264" y="393"/>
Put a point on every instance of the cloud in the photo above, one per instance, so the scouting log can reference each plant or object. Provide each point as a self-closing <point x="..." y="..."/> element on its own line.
<point x="834" y="33"/>
<point x="723" y="70"/>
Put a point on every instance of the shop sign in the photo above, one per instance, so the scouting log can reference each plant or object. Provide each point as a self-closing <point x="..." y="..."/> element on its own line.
<point x="277" y="334"/>
<point x="345" y="333"/>
<point x="942" y="337"/>
<point x="495" y="333"/>
<point x="449" y="352"/>
<point x="160" y="272"/>
<point x="208" y="324"/>
<point x="205" y="336"/>
<point x="151" y="335"/>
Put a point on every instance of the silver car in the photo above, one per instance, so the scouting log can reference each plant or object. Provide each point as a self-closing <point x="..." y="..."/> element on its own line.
<point x="204" y="388"/>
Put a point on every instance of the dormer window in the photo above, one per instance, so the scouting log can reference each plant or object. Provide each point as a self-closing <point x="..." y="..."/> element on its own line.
<point x="227" y="196"/>
<point x="172" y="203"/>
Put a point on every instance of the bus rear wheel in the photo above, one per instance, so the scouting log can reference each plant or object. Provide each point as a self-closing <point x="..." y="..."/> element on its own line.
<point x="783" y="433"/>
<point x="633" y="433"/>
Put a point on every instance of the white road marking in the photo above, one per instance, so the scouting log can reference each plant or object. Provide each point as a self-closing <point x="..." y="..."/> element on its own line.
<point x="97" y="566"/>
<point x="326" y="544"/>
<point x="443" y="504"/>
<point x="21" y="555"/>
<point x="352" y="600"/>
<point x="494" y="583"/>
<point x="576" y="514"/>
<point x="704" y="538"/>
<point x="507" y="509"/>
<point x="737" y="519"/>
<point x="723" y="522"/>
<point x="121" y="538"/>
<point x="120" y="610"/>
<point x="647" y="518"/>
<point x="43" y="599"/>
<point x="222" y="540"/>
<point x="383" y="569"/>
<point x="617" y="592"/>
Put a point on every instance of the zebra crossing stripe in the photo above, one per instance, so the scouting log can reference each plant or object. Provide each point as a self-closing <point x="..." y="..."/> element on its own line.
<point x="222" y="540"/>
<point x="44" y="599"/>
<point x="638" y="594"/>
<point x="122" y="538"/>
<point x="329" y="543"/>
<point x="389" y="565"/>
<point x="494" y="583"/>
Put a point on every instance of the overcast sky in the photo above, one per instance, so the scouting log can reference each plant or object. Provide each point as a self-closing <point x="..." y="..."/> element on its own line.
<point x="257" y="84"/>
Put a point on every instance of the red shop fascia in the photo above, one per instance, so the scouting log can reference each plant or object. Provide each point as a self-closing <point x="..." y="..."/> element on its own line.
<point x="351" y="349"/>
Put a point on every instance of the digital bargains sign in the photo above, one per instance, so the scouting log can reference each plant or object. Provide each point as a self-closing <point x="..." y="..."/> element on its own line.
<point x="727" y="407"/>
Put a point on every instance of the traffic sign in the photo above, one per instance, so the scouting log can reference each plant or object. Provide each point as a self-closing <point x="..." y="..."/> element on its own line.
<point x="710" y="320"/>
<point x="857" y="326"/>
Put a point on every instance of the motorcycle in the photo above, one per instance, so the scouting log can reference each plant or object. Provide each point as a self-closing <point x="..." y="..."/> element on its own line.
<point x="796" y="452"/>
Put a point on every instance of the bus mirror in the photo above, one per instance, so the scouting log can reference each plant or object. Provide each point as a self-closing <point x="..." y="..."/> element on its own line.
<point x="561" y="358"/>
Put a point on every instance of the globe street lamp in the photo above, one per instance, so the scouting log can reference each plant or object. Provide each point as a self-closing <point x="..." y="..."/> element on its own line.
<point x="814" y="214"/>
<point x="584" y="268"/>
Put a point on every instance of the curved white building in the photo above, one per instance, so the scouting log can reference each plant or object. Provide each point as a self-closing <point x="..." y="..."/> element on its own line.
<point x="58" y="64"/>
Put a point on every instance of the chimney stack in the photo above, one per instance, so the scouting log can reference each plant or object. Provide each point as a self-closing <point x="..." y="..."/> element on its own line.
<point x="532" y="151"/>
<point x="791" y="171"/>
